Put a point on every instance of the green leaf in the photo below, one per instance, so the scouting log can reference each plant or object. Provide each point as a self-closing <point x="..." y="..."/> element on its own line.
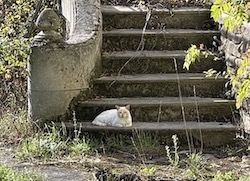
<point x="193" y="54"/>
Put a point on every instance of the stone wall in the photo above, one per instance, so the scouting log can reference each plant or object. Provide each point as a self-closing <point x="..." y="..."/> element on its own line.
<point x="234" y="44"/>
<point x="60" y="71"/>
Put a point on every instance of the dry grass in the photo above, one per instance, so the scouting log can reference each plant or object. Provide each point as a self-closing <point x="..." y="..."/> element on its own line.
<point x="15" y="126"/>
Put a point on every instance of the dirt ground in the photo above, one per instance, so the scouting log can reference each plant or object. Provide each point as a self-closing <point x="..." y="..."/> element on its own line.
<point x="124" y="165"/>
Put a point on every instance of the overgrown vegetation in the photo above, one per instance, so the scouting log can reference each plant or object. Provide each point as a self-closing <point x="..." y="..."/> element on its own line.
<point x="15" y="127"/>
<point x="53" y="144"/>
<point x="16" y="35"/>
<point x="14" y="52"/>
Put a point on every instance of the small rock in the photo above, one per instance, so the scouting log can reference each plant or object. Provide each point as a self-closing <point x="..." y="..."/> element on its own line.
<point x="245" y="160"/>
<point x="209" y="157"/>
<point x="234" y="159"/>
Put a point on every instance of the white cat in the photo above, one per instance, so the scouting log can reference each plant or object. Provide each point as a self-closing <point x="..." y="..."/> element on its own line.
<point x="119" y="117"/>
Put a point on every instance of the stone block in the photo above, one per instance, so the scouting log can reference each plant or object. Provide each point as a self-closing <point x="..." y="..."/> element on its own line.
<point x="243" y="47"/>
<point x="235" y="37"/>
<point x="245" y="116"/>
<point x="246" y="34"/>
<point x="233" y="49"/>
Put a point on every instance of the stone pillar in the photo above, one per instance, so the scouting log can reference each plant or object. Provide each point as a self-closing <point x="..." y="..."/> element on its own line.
<point x="43" y="88"/>
<point x="60" y="70"/>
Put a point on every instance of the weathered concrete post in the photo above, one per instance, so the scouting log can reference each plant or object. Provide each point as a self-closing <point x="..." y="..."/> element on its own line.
<point x="60" y="69"/>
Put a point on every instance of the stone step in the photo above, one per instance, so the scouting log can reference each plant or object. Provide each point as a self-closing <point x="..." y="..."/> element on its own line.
<point x="160" y="85"/>
<point x="121" y="17"/>
<point x="168" y="39"/>
<point x="213" y="133"/>
<point x="153" y="109"/>
<point x="175" y="127"/>
<point x="150" y="62"/>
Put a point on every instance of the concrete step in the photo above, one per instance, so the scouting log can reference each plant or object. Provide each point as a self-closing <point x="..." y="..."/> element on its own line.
<point x="121" y="17"/>
<point x="213" y="133"/>
<point x="160" y="85"/>
<point x="153" y="109"/>
<point x="168" y="39"/>
<point x="150" y="62"/>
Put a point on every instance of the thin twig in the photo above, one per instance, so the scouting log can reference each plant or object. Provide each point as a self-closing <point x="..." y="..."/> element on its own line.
<point x="140" y="47"/>
<point x="198" y="118"/>
<point x="139" y="154"/>
<point x="141" y="44"/>
<point x="182" y="107"/>
<point x="35" y="16"/>
<point x="159" y="113"/>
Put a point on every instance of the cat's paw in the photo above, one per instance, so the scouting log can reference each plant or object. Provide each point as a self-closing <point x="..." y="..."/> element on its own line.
<point x="122" y="125"/>
<point x="128" y="125"/>
<point x="98" y="123"/>
<point x="118" y="125"/>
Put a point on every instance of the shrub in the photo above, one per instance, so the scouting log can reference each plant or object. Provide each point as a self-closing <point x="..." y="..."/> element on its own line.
<point x="14" y="51"/>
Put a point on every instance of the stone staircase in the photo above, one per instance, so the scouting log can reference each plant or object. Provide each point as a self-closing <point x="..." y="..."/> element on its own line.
<point x="149" y="80"/>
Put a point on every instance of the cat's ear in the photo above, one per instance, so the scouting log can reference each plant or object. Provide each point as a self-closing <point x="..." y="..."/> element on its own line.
<point x="117" y="107"/>
<point x="128" y="107"/>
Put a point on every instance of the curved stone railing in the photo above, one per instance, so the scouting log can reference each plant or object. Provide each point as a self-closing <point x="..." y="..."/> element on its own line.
<point x="234" y="44"/>
<point x="60" y="70"/>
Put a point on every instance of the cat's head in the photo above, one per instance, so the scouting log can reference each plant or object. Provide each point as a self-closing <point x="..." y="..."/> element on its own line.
<point x="123" y="112"/>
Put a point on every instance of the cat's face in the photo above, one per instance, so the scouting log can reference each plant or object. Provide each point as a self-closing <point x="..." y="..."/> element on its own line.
<point x="122" y="112"/>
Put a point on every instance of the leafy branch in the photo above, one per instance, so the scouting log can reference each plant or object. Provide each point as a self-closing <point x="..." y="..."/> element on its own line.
<point x="193" y="54"/>
<point x="241" y="80"/>
<point x="232" y="13"/>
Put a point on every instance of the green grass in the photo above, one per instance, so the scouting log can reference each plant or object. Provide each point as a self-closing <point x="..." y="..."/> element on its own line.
<point x="52" y="144"/>
<point x="8" y="174"/>
<point x="148" y="170"/>
<point x="80" y="146"/>
<point x="146" y="143"/>
<point x="196" y="167"/>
